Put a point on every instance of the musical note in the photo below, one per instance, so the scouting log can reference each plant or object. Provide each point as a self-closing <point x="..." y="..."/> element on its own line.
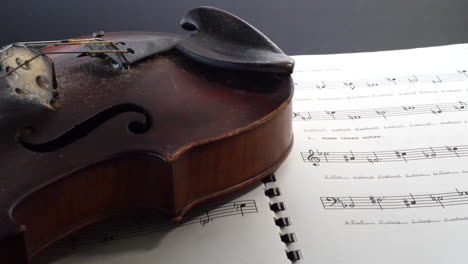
<point x="410" y="201"/>
<point x="382" y="113"/>
<point x="432" y="154"/>
<point x="352" y="202"/>
<point x="392" y="80"/>
<point x="437" y="110"/>
<point x="205" y="220"/>
<point x="408" y="108"/>
<point x="460" y="106"/>
<point x="352" y="117"/>
<point x="463" y="72"/>
<point x="453" y="149"/>
<point x="322" y="154"/>
<point x="240" y="207"/>
<point x="347" y="159"/>
<point x="437" y="80"/>
<point x="305" y="116"/>
<point x="372" y="84"/>
<point x="401" y="155"/>
<point x="321" y="86"/>
<point x="350" y="85"/>
<point x="377" y="201"/>
<point x="331" y="113"/>
<point x="461" y="193"/>
<point x="74" y="241"/>
<point x="108" y="238"/>
<point x="374" y="159"/>
<point x="438" y="199"/>
<point x="407" y="204"/>
<point x="413" y="79"/>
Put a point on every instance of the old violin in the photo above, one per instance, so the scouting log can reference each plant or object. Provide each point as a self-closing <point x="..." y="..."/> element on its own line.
<point x="123" y="122"/>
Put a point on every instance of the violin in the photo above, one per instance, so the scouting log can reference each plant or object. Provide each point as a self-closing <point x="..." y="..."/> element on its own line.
<point x="129" y="122"/>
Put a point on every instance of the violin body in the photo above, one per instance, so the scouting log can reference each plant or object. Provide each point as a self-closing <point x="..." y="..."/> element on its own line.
<point x="170" y="132"/>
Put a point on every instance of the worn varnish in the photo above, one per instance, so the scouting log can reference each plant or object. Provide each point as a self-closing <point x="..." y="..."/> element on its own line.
<point x="167" y="134"/>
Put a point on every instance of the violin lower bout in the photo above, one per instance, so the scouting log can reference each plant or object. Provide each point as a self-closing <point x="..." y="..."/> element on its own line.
<point x="146" y="181"/>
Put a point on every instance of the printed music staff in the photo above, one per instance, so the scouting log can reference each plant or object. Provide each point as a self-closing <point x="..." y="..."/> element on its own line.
<point x="384" y="113"/>
<point x="396" y="202"/>
<point x="458" y="75"/>
<point x="119" y="229"/>
<point x="317" y="157"/>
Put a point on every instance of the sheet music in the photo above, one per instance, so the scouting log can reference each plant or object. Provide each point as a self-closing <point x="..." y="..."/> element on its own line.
<point x="239" y="229"/>
<point x="379" y="169"/>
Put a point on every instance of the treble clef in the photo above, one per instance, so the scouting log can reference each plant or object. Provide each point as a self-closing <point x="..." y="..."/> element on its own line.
<point x="315" y="160"/>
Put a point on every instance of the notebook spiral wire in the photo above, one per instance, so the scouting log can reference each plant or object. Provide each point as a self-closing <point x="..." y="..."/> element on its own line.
<point x="277" y="207"/>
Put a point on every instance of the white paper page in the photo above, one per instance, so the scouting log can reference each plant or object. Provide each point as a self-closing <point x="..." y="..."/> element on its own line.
<point x="379" y="169"/>
<point x="239" y="230"/>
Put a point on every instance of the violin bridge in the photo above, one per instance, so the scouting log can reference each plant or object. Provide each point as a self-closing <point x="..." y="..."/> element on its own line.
<point x="30" y="75"/>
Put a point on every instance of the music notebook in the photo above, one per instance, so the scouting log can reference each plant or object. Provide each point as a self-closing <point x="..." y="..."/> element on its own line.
<point x="378" y="174"/>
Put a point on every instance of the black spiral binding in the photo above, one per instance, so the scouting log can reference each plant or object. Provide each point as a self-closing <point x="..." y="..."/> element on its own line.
<point x="281" y="222"/>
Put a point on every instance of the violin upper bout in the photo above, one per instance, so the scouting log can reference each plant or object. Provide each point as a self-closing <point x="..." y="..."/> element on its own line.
<point x="224" y="40"/>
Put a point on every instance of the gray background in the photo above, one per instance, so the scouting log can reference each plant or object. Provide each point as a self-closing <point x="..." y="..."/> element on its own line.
<point x="297" y="26"/>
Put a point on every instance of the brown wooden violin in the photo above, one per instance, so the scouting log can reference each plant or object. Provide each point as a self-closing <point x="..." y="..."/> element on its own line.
<point x="122" y="122"/>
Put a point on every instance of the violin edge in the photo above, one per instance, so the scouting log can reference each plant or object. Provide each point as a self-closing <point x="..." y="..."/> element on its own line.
<point x="277" y="132"/>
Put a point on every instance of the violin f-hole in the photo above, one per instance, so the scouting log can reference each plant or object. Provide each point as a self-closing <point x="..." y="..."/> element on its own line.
<point x="84" y="128"/>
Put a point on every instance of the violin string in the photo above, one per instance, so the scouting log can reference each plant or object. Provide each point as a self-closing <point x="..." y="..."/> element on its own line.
<point x="59" y="52"/>
<point x="52" y="43"/>
<point x="59" y="41"/>
<point x="82" y="43"/>
<point x="20" y="65"/>
<point x="6" y="58"/>
<point x="89" y="52"/>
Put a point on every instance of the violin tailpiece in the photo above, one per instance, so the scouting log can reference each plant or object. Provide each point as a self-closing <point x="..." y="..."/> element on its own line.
<point x="30" y="75"/>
